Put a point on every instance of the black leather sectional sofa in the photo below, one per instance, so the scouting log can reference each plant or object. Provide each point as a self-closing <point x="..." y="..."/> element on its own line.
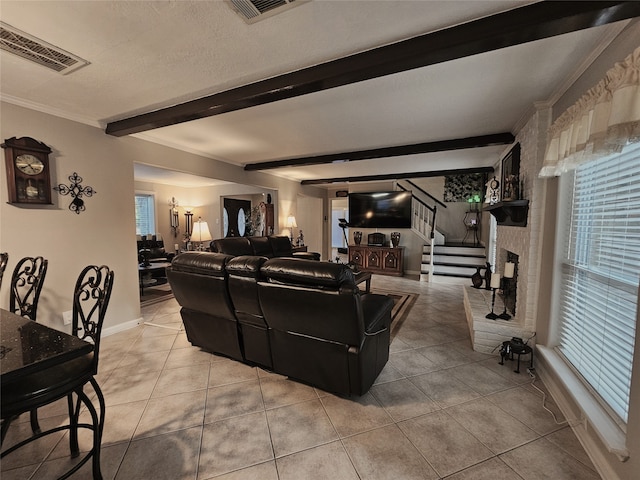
<point x="301" y="318"/>
<point x="270" y="247"/>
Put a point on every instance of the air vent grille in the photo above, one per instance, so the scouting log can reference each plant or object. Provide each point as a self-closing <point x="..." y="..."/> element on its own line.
<point x="253" y="10"/>
<point x="31" y="48"/>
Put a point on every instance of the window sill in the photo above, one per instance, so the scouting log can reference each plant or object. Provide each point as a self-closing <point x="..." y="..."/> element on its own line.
<point x="598" y="418"/>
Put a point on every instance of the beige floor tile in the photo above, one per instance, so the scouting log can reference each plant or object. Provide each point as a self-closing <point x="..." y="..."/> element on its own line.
<point x="542" y="459"/>
<point x="279" y="391"/>
<point x="480" y="378"/>
<point x="141" y="362"/>
<point x="326" y="462"/>
<point x="355" y="415"/>
<point x="526" y="406"/>
<point x="385" y="453"/>
<point x="155" y="343"/>
<point x="263" y="471"/>
<point x="495" y="428"/>
<point x="411" y="362"/>
<point x="124" y="388"/>
<point x="299" y="426"/>
<point x="225" y="371"/>
<point x="160" y="413"/>
<point x="234" y="444"/>
<point x="567" y="441"/>
<point x="110" y="460"/>
<point x="180" y="380"/>
<point x="170" y="456"/>
<point x="185" y="357"/>
<point x="233" y="400"/>
<point x="243" y="416"/>
<point x="446" y="445"/>
<point x="444" y="389"/>
<point x="402" y="399"/>
<point x="492" y="469"/>
<point x="443" y="356"/>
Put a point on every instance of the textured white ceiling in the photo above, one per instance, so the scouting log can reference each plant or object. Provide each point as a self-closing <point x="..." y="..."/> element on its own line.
<point x="146" y="55"/>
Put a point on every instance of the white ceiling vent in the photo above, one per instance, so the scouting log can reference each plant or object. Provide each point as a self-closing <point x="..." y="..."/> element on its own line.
<point x="252" y="11"/>
<point x="31" y="48"/>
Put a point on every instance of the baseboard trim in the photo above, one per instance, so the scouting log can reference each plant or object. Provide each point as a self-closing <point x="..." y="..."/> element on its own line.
<point x="587" y="432"/>
<point x="121" y="327"/>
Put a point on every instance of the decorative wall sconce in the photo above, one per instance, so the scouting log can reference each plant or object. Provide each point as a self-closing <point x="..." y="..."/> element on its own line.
<point x="77" y="191"/>
<point x="188" y="223"/>
<point x="174" y="219"/>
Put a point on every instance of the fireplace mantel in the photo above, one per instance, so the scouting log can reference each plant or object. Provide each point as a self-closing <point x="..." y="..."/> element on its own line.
<point x="513" y="214"/>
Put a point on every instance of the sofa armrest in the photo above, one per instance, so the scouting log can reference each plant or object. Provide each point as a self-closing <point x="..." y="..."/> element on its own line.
<point x="376" y="310"/>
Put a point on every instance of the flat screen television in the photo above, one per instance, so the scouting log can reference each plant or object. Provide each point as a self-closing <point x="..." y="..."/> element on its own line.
<point x="380" y="210"/>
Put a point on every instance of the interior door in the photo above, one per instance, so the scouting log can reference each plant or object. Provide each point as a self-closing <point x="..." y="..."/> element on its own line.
<point x="236" y="214"/>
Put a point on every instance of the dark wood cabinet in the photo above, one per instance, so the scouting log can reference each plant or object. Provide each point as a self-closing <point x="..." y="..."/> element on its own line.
<point x="381" y="260"/>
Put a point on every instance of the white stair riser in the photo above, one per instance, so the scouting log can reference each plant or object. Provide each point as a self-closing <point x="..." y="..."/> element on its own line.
<point x="451" y="270"/>
<point x="441" y="249"/>
<point x="467" y="261"/>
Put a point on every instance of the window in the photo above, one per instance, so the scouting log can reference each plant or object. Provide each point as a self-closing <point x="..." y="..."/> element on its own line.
<point x="145" y="214"/>
<point x="600" y="272"/>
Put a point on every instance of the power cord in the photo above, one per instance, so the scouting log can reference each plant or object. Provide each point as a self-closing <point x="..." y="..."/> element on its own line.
<point x="532" y="374"/>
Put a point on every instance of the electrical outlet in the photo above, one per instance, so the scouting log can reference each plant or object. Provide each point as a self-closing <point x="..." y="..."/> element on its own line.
<point x="67" y="316"/>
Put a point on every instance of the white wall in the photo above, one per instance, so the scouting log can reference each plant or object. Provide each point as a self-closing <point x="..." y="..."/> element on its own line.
<point x="105" y="232"/>
<point x="100" y="235"/>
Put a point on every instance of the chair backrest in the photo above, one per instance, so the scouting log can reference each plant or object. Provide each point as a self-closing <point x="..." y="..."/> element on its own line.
<point x="281" y="246"/>
<point x="4" y="258"/>
<point x="90" y="300"/>
<point x="26" y="285"/>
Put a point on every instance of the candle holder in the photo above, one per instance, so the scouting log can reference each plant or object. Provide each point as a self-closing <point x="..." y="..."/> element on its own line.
<point x="495" y="284"/>
<point x="504" y="315"/>
<point x="492" y="315"/>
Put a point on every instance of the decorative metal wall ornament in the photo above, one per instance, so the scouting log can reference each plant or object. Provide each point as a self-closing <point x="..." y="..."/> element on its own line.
<point x="77" y="191"/>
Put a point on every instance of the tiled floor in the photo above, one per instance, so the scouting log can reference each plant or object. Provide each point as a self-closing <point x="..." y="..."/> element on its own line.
<point x="438" y="410"/>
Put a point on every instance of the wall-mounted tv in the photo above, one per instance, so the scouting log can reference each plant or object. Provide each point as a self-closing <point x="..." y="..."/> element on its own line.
<point x="380" y="210"/>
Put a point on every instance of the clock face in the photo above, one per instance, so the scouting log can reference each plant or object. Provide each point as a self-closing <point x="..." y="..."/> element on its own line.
<point x="29" y="164"/>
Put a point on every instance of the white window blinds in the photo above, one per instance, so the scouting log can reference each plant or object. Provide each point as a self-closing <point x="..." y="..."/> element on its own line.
<point x="145" y="214"/>
<point x="600" y="275"/>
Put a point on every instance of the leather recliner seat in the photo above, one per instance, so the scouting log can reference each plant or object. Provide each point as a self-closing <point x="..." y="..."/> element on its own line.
<point x="199" y="282"/>
<point x="323" y="331"/>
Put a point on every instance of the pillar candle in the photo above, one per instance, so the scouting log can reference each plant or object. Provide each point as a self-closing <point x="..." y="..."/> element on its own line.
<point x="495" y="280"/>
<point x="509" y="269"/>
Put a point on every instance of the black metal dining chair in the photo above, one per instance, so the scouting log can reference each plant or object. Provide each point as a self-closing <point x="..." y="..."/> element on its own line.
<point x="26" y="285"/>
<point x="90" y="300"/>
<point x="4" y="258"/>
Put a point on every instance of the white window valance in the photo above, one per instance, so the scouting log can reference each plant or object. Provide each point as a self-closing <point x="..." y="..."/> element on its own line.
<point x="605" y="119"/>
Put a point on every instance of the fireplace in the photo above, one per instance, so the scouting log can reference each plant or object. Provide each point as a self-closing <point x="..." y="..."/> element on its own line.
<point x="510" y="282"/>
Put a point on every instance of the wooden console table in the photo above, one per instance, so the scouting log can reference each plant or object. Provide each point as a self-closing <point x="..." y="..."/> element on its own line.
<point x="381" y="260"/>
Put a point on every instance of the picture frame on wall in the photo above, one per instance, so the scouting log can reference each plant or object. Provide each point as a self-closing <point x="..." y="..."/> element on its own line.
<point x="510" y="184"/>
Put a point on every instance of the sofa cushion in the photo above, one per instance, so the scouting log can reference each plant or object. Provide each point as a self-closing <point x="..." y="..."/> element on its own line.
<point x="261" y="246"/>
<point x="281" y="246"/>
<point x="203" y="263"/>
<point x="308" y="273"/>
<point x="232" y="246"/>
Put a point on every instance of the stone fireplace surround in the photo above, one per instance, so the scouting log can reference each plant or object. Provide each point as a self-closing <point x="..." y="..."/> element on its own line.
<point x="487" y="335"/>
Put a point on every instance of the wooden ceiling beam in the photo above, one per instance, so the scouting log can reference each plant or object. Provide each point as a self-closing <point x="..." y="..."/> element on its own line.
<point x="513" y="27"/>
<point x="398" y="176"/>
<point x="385" y="152"/>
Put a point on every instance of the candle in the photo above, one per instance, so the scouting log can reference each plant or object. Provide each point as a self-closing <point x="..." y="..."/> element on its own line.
<point x="495" y="280"/>
<point x="509" y="269"/>
<point x="176" y="247"/>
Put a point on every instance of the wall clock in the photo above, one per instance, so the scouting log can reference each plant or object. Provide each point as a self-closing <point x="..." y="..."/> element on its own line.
<point x="28" y="172"/>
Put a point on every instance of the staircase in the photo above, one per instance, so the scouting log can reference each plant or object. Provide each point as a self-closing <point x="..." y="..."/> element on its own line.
<point x="452" y="263"/>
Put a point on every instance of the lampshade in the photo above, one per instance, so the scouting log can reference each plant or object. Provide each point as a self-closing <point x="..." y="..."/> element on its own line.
<point x="291" y="222"/>
<point x="201" y="232"/>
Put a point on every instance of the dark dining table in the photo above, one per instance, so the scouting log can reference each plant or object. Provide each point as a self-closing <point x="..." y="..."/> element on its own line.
<point x="27" y="347"/>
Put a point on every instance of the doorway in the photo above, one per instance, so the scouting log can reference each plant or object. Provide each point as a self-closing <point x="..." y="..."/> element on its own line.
<point x="339" y="236"/>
